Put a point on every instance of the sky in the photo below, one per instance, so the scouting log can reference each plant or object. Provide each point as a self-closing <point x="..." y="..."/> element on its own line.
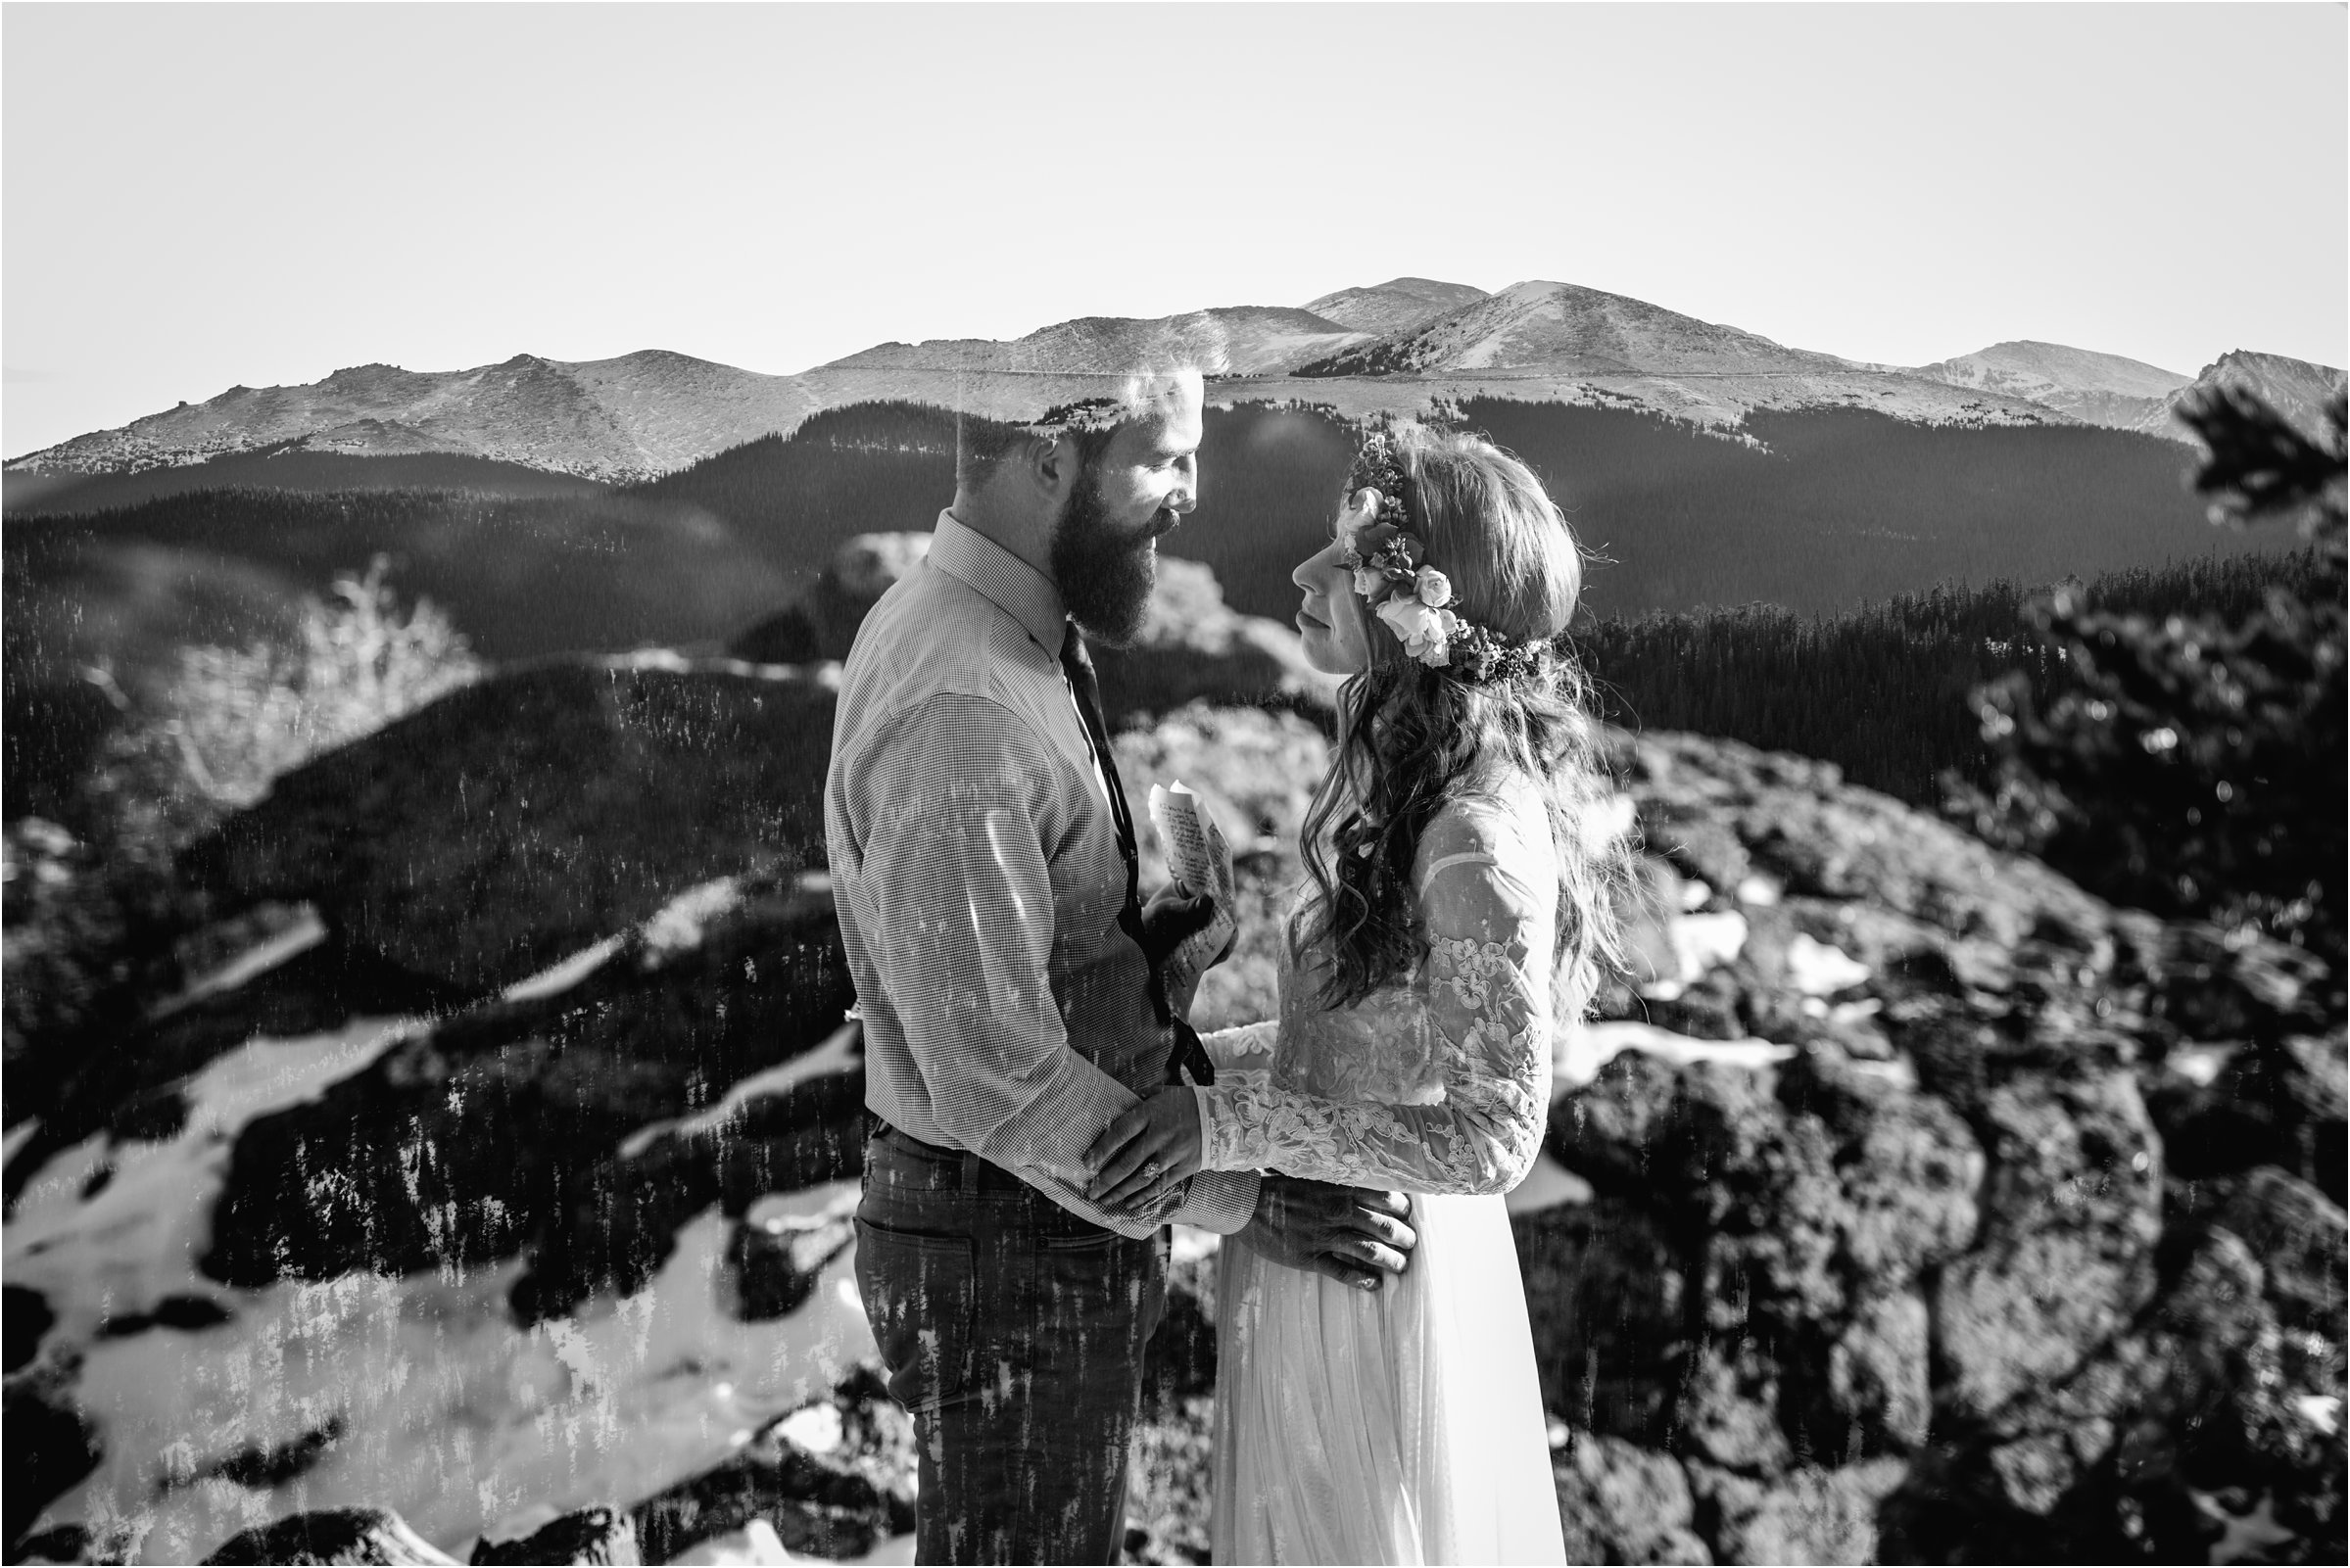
<point x="194" y="197"/>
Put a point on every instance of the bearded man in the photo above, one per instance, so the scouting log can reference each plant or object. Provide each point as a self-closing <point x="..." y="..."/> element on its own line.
<point x="1008" y="976"/>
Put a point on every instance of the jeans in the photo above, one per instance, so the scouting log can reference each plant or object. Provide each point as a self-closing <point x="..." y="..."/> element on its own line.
<point x="1013" y="1331"/>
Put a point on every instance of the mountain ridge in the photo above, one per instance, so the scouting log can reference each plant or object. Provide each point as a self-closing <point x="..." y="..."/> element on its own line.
<point x="1395" y="305"/>
<point x="1229" y="340"/>
<point x="635" y="416"/>
<point x="1566" y="328"/>
<point x="2099" y="388"/>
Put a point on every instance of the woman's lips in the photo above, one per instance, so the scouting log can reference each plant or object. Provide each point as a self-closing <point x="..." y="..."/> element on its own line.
<point x="1306" y="615"/>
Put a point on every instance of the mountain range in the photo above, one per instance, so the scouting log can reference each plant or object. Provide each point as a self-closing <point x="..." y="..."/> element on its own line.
<point x="1405" y="346"/>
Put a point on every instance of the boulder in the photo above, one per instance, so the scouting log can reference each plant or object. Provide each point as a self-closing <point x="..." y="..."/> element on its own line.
<point x="1925" y="1290"/>
<point x="823" y="620"/>
<point x="26" y="1317"/>
<point x="1607" y="1288"/>
<point x="832" y="1478"/>
<point x="2230" y="1105"/>
<point x="506" y="1126"/>
<point x="1810" y="1515"/>
<point x="50" y="1446"/>
<point x="515" y="822"/>
<point x="601" y="1535"/>
<point x="1193" y="648"/>
<point x="2299" y="1235"/>
<point x="333" y="1536"/>
<point x="1619" y="1503"/>
<point x="2071" y="1210"/>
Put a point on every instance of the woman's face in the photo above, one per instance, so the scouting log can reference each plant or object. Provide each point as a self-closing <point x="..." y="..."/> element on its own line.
<point x="1332" y="618"/>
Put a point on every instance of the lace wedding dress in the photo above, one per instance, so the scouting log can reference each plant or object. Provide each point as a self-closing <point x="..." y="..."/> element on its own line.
<point x="1402" y="1426"/>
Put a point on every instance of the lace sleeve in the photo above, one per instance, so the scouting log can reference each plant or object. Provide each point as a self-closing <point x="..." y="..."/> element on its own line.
<point x="1485" y="997"/>
<point x="1243" y="1055"/>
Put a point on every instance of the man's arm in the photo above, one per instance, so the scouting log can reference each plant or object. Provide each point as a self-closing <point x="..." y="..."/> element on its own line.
<point x="948" y="801"/>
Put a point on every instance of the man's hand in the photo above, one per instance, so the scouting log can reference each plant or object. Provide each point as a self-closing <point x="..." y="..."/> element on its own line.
<point x="1169" y="919"/>
<point x="1355" y="1236"/>
<point x="1139" y="1157"/>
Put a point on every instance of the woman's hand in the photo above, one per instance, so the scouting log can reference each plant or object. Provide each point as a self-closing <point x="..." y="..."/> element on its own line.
<point x="1151" y="1147"/>
<point x="1173" y="916"/>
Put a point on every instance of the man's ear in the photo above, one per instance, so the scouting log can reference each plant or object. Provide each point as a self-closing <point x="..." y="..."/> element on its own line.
<point x="1052" y="466"/>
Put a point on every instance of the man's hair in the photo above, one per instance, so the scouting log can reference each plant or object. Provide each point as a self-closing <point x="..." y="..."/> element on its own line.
<point x="983" y="443"/>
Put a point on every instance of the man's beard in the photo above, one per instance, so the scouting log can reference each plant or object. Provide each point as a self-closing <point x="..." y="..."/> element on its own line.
<point x="1104" y="576"/>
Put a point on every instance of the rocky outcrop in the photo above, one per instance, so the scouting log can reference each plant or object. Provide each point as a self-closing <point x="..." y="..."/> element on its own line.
<point x="604" y="1536"/>
<point x="829" y="1479"/>
<point x="1193" y="648"/>
<point x="1921" y="1291"/>
<point x="565" y="1124"/>
<point x="339" y="1536"/>
<point x="50" y="1446"/>
<point x="452" y="854"/>
<point x="515" y="822"/>
<point x="1941" y="1212"/>
<point x="822" y="621"/>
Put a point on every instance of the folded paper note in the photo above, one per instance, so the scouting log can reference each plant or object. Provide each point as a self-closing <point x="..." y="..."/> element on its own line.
<point x="1199" y="859"/>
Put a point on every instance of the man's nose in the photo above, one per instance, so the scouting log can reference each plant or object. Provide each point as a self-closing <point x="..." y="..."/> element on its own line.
<point x="1187" y="491"/>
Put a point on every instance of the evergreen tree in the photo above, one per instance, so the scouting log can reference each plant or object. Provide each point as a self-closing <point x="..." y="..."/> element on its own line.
<point x="2193" y="762"/>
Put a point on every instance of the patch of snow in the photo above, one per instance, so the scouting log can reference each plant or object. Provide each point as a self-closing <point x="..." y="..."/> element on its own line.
<point x="1548" y="1185"/>
<point x="816" y="1429"/>
<point x="2246" y="1537"/>
<point x="2201" y="1065"/>
<point x="1898" y="1072"/>
<point x="562" y="976"/>
<point x="2321" y="1410"/>
<point x="1582" y="1050"/>
<point x="1699" y="942"/>
<point x="304" y="934"/>
<point x="1820" y="970"/>
<point x="1694" y="894"/>
<point x="679" y="924"/>
<point x="1759" y="890"/>
<point x="428" y="1373"/>
<point x="837" y="1054"/>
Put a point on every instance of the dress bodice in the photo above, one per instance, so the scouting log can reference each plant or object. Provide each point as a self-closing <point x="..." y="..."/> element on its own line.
<point x="1439" y="1080"/>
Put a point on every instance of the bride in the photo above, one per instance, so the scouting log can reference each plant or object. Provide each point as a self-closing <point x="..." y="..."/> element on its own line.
<point x="1460" y="859"/>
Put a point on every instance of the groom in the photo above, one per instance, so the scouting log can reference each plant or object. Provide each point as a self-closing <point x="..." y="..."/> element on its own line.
<point x="983" y="863"/>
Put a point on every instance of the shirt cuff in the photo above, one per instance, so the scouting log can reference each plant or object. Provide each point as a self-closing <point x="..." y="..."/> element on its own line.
<point x="1218" y="1130"/>
<point x="1220" y="1201"/>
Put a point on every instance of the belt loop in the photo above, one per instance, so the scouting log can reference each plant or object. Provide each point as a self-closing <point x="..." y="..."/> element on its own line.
<point x="971" y="1172"/>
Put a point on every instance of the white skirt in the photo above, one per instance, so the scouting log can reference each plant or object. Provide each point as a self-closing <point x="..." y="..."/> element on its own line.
<point x="1403" y="1426"/>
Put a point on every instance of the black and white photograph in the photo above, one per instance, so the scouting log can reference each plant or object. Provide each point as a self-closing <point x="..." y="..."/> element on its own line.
<point x="1310" y="782"/>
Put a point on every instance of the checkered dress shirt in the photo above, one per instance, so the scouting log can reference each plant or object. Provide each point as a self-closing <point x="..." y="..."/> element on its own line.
<point x="977" y="868"/>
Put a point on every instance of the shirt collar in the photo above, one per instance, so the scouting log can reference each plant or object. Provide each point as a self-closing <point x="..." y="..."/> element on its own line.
<point x="1002" y="578"/>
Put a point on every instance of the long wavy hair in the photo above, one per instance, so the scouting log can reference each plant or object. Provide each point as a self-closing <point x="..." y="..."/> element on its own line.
<point x="1411" y="737"/>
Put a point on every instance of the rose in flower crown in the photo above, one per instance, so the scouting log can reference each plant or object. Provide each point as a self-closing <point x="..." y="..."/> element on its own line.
<point x="1392" y="575"/>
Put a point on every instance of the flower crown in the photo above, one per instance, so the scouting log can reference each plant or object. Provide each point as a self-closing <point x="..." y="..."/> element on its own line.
<point x="1393" y="576"/>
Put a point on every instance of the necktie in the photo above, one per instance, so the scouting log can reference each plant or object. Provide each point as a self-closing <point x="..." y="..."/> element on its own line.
<point x="1078" y="665"/>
